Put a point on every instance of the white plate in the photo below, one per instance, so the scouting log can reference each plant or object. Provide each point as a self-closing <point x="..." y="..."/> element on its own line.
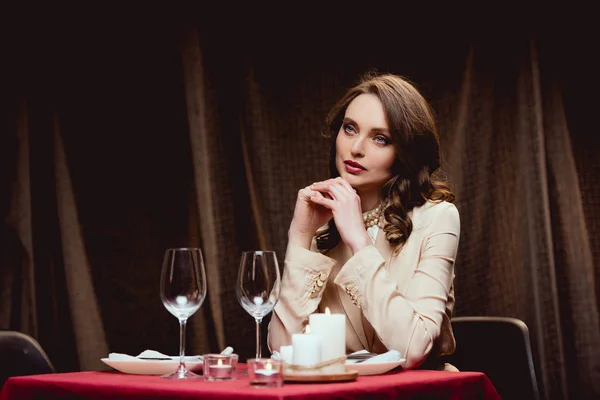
<point x="373" y="368"/>
<point x="153" y="367"/>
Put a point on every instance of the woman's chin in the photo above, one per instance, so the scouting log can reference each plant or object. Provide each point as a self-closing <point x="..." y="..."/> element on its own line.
<point x="352" y="179"/>
<point x="358" y="184"/>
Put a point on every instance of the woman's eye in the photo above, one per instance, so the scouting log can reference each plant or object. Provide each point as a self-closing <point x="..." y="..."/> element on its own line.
<point x="349" y="128"/>
<point x="380" y="139"/>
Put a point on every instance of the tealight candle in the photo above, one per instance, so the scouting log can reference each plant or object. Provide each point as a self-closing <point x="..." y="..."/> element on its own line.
<point x="220" y="370"/>
<point x="306" y="348"/>
<point x="331" y="328"/>
<point x="268" y="371"/>
<point x="220" y="367"/>
<point x="264" y="372"/>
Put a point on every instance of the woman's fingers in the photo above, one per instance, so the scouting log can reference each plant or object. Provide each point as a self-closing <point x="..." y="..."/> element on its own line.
<point x="345" y="183"/>
<point x="306" y="193"/>
<point x="323" y="201"/>
<point x="314" y="196"/>
<point x="337" y="192"/>
<point x="319" y="195"/>
<point x="313" y="193"/>
<point x="337" y="187"/>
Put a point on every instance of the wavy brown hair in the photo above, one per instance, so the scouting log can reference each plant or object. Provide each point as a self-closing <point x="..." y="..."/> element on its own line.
<point x="414" y="172"/>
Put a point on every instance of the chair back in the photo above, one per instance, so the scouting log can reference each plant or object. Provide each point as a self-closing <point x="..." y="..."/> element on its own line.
<point x="500" y="348"/>
<point x="20" y="354"/>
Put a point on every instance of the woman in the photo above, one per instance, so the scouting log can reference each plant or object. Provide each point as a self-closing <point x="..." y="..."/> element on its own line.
<point x="378" y="240"/>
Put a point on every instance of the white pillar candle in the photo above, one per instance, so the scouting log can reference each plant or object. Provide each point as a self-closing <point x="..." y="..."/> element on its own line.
<point x="331" y="328"/>
<point x="287" y="354"/>
<point x="306" y="348"/>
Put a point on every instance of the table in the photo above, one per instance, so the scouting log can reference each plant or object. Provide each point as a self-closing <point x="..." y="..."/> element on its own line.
<point x="115" y="385"/>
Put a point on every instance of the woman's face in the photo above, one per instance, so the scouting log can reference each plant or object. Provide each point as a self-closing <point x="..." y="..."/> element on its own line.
<point x="364" y="150"/>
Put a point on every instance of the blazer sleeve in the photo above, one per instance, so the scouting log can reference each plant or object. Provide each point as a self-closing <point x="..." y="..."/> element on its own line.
<point x="304" y="277"/>
<point x="408" y="322"/>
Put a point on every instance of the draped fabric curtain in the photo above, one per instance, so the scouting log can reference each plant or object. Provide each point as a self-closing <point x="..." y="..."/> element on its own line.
<point x="178" y="130"/>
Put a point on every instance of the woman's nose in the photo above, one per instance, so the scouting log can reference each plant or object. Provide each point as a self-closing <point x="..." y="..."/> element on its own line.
<point x="358" y="148"/>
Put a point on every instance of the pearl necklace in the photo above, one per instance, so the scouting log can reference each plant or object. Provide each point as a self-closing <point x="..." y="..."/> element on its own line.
<point x="372" y="218"/>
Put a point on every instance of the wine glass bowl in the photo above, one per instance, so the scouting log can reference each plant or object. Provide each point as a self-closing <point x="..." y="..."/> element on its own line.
<point x="183" y="306"/>
<point x="182" y="292"/>
<point x="258" y="286"/>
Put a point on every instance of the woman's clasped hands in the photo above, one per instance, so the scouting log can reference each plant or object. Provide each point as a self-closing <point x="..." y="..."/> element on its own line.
<point x="318" y="203"/>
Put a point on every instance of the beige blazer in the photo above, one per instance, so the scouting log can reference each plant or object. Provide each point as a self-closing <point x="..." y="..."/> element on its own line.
<point x="401" y="302"/>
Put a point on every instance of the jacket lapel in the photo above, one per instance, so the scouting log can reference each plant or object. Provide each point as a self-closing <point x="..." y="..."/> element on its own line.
<point x="353" y="313"/>
<point x="383" y="246"/>
<point x="361" y="326"/>
<point x="386" y="251"/>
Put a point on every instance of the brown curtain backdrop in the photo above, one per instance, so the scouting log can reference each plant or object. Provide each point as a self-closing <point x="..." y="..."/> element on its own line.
<point x="124" y="132"/>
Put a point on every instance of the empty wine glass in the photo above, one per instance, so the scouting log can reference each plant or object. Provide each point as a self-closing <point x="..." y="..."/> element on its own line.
<point x="182" y="291"/>
<point x="258" y="286"/>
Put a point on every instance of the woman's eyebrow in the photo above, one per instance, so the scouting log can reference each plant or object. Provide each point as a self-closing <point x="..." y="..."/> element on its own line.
<point x="380" y="130"/>
<point x="348" y="120"/>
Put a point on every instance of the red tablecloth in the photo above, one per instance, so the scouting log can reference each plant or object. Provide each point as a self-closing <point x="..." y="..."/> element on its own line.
<point x="116" y="385"/>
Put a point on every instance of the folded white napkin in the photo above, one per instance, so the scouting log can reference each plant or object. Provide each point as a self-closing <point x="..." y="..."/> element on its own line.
<point x="148" y="355"/>
<point x="153" y="355"/>
<point x="390" y="356"/>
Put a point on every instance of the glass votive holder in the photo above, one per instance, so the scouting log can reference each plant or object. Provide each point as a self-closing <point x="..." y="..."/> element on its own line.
<point x="220" y="367"/>
<point x="265" y="372"/>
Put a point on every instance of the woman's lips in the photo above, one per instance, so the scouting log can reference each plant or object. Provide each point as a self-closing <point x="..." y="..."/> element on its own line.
<point x="353" y="167"/>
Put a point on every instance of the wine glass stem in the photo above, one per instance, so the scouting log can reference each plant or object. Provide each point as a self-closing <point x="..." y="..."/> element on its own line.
<point x="182" y="323"/>
<point x="258" y="321"/>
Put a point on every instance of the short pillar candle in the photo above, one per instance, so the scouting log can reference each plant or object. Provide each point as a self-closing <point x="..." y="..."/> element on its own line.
<point x="287" y="354"/>
<point x="306" y="348"/>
